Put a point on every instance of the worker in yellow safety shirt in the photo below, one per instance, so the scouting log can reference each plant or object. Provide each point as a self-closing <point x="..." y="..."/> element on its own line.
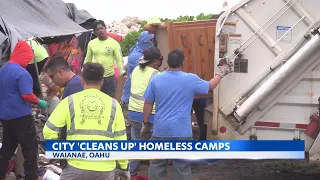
<point x="89" y="115"/>
<point x="153" y="24"/>
<point x="140" y="78"/>
<point x="40" y="58"/>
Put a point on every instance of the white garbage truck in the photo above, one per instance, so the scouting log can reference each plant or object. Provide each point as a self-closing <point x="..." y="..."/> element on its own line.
<point x="273" y="93"/>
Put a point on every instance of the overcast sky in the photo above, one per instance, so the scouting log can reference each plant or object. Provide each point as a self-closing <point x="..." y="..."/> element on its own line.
<point x="110" y="10"/>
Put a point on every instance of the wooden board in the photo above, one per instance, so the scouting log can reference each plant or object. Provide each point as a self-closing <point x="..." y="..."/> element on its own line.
<point x="196" y="39"/>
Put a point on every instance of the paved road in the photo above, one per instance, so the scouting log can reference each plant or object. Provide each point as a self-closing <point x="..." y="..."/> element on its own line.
<point x="253" y="170"/>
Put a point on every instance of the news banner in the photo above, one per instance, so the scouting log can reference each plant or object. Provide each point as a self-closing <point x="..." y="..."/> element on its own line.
<point x="192" y="150"/>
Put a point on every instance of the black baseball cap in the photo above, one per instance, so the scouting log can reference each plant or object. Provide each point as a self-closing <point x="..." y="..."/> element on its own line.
<point x="98" y="24"/>
<point x="150" y="54"/>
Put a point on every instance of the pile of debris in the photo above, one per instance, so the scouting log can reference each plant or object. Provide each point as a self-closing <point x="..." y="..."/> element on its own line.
<point x="127" y="25"/>
<point x="46" y="168"/>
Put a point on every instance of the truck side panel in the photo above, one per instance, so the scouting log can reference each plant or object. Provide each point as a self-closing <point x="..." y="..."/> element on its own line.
<point x="268" y="34"/>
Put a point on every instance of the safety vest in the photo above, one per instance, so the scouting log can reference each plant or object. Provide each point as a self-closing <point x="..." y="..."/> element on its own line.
<point x="140" y="79"/>
<point x="40" y="53"/>
<point x="91" y="115"/>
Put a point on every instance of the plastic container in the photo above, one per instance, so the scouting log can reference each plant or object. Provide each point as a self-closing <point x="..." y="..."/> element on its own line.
<point x="49" y="175"/>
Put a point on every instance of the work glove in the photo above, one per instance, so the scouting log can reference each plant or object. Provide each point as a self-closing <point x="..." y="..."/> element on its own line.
<point x="43" y="104"/>
<point x="145" y="132"/>
<point x="124" y="174"/>
<point x="123" y="73"/>
<point x="225" y="69"/>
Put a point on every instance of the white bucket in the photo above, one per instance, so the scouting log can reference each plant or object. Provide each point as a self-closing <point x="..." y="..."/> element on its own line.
<point x="49" y="175"/>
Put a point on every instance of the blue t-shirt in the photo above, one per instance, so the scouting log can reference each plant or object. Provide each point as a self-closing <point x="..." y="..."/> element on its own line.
<point x="173" y="93"/>
<point x="74" y="85"/>
<point x="14" y="82"/>
<point x="133" y="61"/>
<point x="138" y="117"/>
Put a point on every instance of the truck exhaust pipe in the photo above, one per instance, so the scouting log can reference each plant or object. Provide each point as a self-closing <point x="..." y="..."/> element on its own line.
<point x="264" y="90"/>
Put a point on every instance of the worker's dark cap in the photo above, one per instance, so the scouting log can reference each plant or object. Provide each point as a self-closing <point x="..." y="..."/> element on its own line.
<point x="98" y="24"/>
<point x="151" y="54"/>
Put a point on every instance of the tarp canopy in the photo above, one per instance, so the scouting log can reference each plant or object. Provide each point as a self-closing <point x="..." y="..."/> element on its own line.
<point x="42" y="18"/>
<point x="78" y="16"/>
<point x="22" y="19"/>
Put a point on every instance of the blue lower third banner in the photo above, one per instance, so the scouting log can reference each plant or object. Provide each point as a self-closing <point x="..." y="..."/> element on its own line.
<point x="116" y="150"/>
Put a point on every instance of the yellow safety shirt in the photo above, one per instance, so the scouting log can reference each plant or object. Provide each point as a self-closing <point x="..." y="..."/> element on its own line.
<point x="105" y="53"/>
<point x="40" y="53"/>
<point x="140" y="79"/>
<point x="88" y="115"/>
<point x="154" y="21"/>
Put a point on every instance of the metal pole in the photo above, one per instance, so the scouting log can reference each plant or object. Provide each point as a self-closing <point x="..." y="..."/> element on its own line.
<point x="223" y="22"/>
<point x="263" y="26"/>
<point x="38" y="76"/>
<point x="296" y="45"/>
<point x="288" y="31"/>
<point x="294" y="62"/>
<point x="265" y="29"/>
<point x="269" y="21"/>
<point x="67" y="34"/>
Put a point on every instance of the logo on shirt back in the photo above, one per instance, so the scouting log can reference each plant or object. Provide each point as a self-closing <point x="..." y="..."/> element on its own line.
<point x="109" y="50"/>
<point x="92" y="108"/>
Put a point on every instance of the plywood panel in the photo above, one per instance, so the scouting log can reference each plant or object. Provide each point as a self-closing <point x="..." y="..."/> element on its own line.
<point x="196" y="39"/>
<point x="163" y="45"/>
<point x="211" y="31"/>
<point x="203" y="61"/>
<point x="194" y="24"/>
<point x="183" y="40"/>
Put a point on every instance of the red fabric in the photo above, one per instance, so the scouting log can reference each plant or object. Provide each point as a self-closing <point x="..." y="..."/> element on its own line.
<point x="11" y="165"/>
<point x="139" y="177"/>
<point x="70" y="51"/>
<point x="118" y="38"/>
<point x="116" y="74"/>
<point x="22" y="54"/>
<point x="52" y="48"/>
<point x="30" y="98"/>
<point x="115" y="37"/>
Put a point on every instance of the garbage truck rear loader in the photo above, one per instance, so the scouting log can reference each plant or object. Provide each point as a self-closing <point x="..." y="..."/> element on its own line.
<point x="274" y="90"/>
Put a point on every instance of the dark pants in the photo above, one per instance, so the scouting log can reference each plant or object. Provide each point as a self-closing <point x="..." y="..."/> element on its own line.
<point x="31" y="68"/>
<point x="109" y="86"/>
<point x="23" y="131"/>
<point x="181" y="170"/>
<point x="198" y="106"/>
<point x="134" y="165"/>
